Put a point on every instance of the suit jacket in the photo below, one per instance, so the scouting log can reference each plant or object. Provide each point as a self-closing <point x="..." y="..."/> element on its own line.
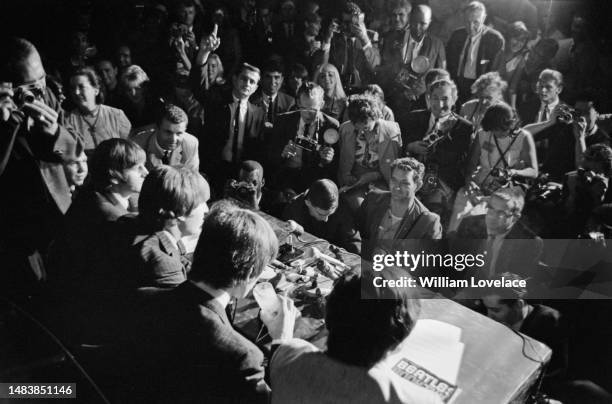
<point x="417" y="223"/>
<point x="36" y="194"/>
<point x="331" y="381"/>
<point x="216" y="132"/>
<point x="366" y="60"/>
<point x="519" y="253"/>
<point x="196" y="355"/>
<point x="392" y="57"/>
<point x="339" y="228"/>
<point x="490" y="51"/>
<point x="450" y="155"/>
<point x="186" y="154"/>
<point x="282" y="103"/>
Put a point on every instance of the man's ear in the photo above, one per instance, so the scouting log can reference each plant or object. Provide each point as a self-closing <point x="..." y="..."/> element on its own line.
<point x="115" y="177"/>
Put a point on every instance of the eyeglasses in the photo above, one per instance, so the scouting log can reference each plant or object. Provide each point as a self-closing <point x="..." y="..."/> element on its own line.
<point x="499" y="212"/>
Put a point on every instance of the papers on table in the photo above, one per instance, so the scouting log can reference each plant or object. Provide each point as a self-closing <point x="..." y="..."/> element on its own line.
<point x="430" y="357"/>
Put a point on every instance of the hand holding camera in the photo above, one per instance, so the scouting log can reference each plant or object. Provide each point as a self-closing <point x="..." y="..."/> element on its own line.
<point x="289" y="151"/>
<point x="7" y="106"/>
<point x="326" y="154"/>
<point x="43" y="118"/>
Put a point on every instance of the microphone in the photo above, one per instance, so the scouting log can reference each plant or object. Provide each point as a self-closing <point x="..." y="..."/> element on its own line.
<point x="294" y="228"/>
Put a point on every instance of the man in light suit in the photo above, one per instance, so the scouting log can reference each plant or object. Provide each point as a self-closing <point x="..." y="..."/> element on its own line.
<point x="196" y="354"/>
<point x="473" y="50"/>
<point x="167" y="142"/>
<point x="33" y="147"/>
<point x="385" y="216"/>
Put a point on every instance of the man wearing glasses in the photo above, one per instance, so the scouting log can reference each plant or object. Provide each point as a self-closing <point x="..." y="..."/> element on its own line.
<point x="33" y="147"/>
<point x="303" y="143"/>
<point x="510" y="245"/>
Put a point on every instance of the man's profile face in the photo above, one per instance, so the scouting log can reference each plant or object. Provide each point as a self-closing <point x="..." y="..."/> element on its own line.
<point x="500" y="311"/>
<point x="191" y="223"/>
<point x="587" y="111"/>
<point x="399" y="18"/>
<point x="169" y="135"/>
<point x="132" y="178"/>
<point x="318" y="214"/>
<point x="499" y="218"/>
<point x="272" y="82"/>
<point x="441" y="101"/>
<point x="475" y="21"/>
<point x="245" y="83"/>
<point x="419" y="23"/>
<point x="402" y="185"/>
<point x="548" y="90"/>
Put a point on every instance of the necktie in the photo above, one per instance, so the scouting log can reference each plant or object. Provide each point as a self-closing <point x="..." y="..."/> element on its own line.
<point x="270" y="110"/>
<point x="464" y="58"/>
<point x="236" y="133"/>
<point x="545" y="114"/>
<point x="350" y="62"/>
<point x="166" y="158"/>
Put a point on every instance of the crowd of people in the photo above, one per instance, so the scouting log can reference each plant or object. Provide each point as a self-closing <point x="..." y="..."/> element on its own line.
<point x="366" y="122"/>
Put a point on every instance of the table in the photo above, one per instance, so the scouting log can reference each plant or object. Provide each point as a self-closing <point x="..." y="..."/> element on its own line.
<point x="498" y="365"/>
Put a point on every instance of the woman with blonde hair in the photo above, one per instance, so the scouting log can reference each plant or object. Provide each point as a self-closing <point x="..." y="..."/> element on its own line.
<point x="328" y="77"/>
<point x="488" y="90"/>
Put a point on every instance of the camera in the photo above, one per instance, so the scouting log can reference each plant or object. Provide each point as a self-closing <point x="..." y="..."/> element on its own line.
<point x="568" y="115"/>
<point x="306" y="143"/>
<point x="22" y="96"/>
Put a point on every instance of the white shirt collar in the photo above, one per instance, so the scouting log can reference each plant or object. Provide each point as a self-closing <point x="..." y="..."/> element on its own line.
<point x="242" y="102"/>
<point x="267" y="97"/>
<point x="123" y="201"/>
<point x="550" y="106"/>
<point x="219" y="295"/>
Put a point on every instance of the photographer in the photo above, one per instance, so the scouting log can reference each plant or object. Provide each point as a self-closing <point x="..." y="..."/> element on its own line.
<point x="586" y="189"/>
<point x="33" y="148"/>
<point x="349" y="48"/>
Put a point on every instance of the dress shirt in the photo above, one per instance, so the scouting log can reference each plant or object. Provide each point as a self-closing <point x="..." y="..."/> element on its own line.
<point x="494" y="243"/>
<point x="550" y="106"/>
<point x="411" y="48"/>
<point x="227" y="150"/>
<point x="432" y="122"/>
<point x="469" y="65"/>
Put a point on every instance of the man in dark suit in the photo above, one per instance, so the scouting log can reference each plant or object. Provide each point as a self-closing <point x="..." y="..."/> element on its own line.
<point x="393" y="40"/>
<point x="510" y="244"/>
<point x="351" y="50"/>
<point x="303" y="145"/>
<point x="387" y="216"/>
<point x="397" y="63"/>
<point x="473" y="50"/>
<point x="167" y="142"/>
<point x="233" y="129"/>
<point x="199" y="355"/>
<point x="33" y="147"/>
<point x="269" y="97"/>
<point x="445" y="160"/>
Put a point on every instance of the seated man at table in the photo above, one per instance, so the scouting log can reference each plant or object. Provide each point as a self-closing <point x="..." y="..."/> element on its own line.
<point x="172" y="205"/>
<point x="167" y="142"/>
<point x="510" y="307"/>
<point x="397" y="214"/>
<point x="361" y="332"/>
<point x="322" y="213"/>
<point x="202" y="357"/>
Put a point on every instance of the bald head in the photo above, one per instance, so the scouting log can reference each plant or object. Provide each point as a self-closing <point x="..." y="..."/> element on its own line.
<point x="21" y="62"/>
<point x="420" y="18"/>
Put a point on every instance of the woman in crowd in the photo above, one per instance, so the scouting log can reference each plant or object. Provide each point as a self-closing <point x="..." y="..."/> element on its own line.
<point x="514" y="56"/>
<point x="335" y="98"/>
<point x="368" y="145"/>
<point x="499" y="153"/>
<point x="94" y="121"/>
<point x="488" y="89"/>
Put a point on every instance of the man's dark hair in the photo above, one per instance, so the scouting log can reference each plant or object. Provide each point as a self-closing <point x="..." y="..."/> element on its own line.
<point x="273" y="64"/>
<point x="362" y="108"/>
<point x="588" y="96"/>
<point x="247" y="67"/>
<point x="365" y="323"/>
<point x="185" y="4"/>
<point x="299" y="70"/>
<point x="14" y="52"/>
<point x="435" y="75"/>
<point x="351" y="8"/>
<point x="172" y="114"/>
<point x="249" y="166"/>
<point x="235" y="245"/>
<point x="601" y="154"/>
<point x="323" y="194"/>
<point x="500" y="117"/>
<point x="110" y="158"/>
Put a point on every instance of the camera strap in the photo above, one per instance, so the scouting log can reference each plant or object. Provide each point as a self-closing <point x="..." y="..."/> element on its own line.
<point x="502" y="156"/>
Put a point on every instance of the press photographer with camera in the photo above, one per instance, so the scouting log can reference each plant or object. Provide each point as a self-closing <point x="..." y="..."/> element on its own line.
<point x="248" y="187"/>
<point x="34" y="145"/>
<point x="303" y="145"/>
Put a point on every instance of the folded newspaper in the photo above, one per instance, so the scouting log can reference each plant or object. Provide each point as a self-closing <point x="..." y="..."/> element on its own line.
<point x="430" y="357"/>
